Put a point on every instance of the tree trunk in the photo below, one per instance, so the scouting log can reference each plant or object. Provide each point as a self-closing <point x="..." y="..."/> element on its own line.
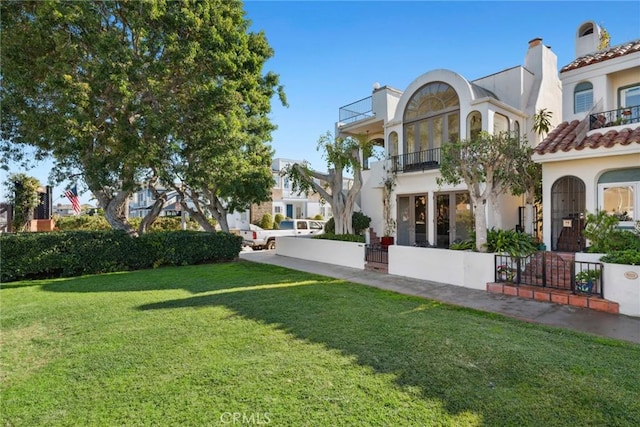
<point x="151" y="216"/>
<point x="114" y="208"/>
<point x="479" y="206"/>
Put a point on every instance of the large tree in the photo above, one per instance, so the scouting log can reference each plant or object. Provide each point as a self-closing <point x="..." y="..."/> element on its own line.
<point x="343" y="154"/>
<point x="489" y="165"/>
<point x="119" y="92"/>
<point x="22" y="193"/>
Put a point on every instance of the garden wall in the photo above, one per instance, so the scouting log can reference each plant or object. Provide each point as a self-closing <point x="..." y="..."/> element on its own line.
<point x="461" y="268"/>
<point x="345" y="254"/>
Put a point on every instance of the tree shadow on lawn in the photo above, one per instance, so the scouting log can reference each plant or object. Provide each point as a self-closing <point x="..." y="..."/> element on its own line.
<point x="467" y="360"/>
<point x="195" y="279"/>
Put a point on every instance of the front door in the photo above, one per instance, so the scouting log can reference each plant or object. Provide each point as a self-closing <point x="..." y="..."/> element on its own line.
<point x="454" y="218"/>
<point x="412" y="220"/>
<point x="289" y="211"/>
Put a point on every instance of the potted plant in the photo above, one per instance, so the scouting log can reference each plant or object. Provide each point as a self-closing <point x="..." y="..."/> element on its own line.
<point x="585" y="279"/>
<point x="506" y="273"/>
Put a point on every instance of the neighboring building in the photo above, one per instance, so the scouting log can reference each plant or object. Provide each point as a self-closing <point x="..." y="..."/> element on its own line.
<point x="142" y="200"/>
<point x="437" y="107"/>
<point x="289" y="203"/>
<point x="591" y="161"/>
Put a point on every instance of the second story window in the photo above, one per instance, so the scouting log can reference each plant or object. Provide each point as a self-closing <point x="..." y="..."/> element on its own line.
<point x="583" y="97"/>
<point x="431" y="118"/>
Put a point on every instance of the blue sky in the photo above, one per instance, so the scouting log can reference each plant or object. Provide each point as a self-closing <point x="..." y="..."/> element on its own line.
<point x="329" y="54"/>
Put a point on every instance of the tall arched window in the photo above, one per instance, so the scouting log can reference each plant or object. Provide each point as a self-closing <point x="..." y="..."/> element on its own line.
<point x="474" y="124"/>
<point x="431" y="118"/>
<point x="500" y="123"/>
<point x="516" y="128"/>
<point x="582" y="97"/>
<point x="393" y="144"/>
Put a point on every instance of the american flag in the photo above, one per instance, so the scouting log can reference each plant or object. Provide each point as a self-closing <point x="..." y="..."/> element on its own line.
<point x="72" y="195"/>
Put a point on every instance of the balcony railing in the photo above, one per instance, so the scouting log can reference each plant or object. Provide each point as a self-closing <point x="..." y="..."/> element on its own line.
<point x="619" y="116"/>
<point x="418" y="161"/>
<point x="359" y="110"/>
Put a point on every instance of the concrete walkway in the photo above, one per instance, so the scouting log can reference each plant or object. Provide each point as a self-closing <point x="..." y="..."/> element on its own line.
<point x="579" y="319"/>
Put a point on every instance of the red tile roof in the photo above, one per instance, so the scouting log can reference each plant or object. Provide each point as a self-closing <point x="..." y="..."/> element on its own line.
<point x="594" y="58"/>
<point x="565" y="138"/>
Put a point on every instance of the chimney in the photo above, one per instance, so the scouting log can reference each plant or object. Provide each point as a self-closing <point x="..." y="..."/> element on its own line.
<point x="535" y="42"/>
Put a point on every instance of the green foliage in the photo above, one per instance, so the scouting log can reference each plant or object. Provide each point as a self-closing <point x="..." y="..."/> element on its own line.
<point x="359" y="221"/>
<point x="169" y="223"/>
<point x="125" y="92"/>
<point x="628" y="256"/>
<point x="587" y="275"/>
<point x="605" y="39"/>
<point x="341" y="237"/>
<point x="73" y="253"/>
<point x="22" y="193"/>
<point x="81" y="222"/>
<point x="542" y="122"/>
<point x="511" y="242"/>
<point x="267" y="221"/>
<point x="601" y="230"/>
<point x="318" y="217"/>
<point x="277" y="219"/>
<point x="464" y="245"/>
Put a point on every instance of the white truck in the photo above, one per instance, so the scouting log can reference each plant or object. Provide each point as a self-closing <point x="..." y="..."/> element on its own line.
<point x="258" y="238"/>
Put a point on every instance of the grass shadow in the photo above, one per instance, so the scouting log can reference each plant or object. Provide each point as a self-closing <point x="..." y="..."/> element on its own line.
<point x="466" y="359"/>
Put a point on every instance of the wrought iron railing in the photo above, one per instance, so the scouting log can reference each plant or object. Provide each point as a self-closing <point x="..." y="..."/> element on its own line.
<point x="546" y="270"/>
<point x="619" y="116"/>
<point x="418" y="161"/>
<point x="359" y="110"/>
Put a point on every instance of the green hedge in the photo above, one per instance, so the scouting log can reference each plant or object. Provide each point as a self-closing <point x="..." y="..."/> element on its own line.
<point x="72" y="253"/>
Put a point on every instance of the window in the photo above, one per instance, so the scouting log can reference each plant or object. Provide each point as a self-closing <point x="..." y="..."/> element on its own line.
<point x="583" y="97"/>
<point x="621" y="199"/>
<point x="286" y="183"/>
<point x="500" y="124"/>
<point x="431" y="117"/>
<point x="475" y="124"/>
<point x="516" y="128"/>
<point x="277" y="209"/>
<point x="630" y="99"/>
<point x="393" y="144"/>
<point x="276" y="180"/>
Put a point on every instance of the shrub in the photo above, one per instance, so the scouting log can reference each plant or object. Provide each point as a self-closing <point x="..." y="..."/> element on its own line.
<point x="629" y="256"/>
<point x="276" y="220"/>
<point x="82" y="222"/>
<point x="72" y="253"/>
<point x="318" y="217"/>
<point x="341" y="237"/>
<point x="359" y="221"/>
<point x="267" y="221"/>
<point x="511" y="242"/>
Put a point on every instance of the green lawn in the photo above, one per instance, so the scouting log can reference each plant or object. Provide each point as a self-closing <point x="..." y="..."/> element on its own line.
<point x="201" y="345"/>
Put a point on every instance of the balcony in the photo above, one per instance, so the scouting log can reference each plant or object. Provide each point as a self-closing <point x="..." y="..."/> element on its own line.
<point x="617" y="117"/>
<point x="418" y="161"/>
<point x="356" y="111"/>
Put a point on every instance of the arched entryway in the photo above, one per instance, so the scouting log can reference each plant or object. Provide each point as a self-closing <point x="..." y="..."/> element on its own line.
<point x="567" y="214"/>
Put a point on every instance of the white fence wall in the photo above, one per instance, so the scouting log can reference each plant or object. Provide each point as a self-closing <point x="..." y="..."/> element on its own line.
<point x="346" y="254"/>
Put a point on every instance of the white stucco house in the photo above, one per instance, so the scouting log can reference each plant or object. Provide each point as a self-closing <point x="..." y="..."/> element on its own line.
<point x="591" y="161"/>
<point x="437" y="107"/>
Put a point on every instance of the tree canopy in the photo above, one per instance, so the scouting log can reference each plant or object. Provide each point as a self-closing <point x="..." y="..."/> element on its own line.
<point x="22" y="193"/>
<point x="121" y="93"/>
<point x="342" y="154"/>
<point x="489" y="165"/>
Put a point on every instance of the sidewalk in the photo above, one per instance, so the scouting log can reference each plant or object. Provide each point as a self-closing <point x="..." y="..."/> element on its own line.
<point x="579" y="319"/>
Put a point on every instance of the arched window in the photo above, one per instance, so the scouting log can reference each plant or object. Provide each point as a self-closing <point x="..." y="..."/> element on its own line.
<point x="516" y="128"/>
<point x="432" y="117"/>
<point x="500" y="124"/>
<point x="393" y="144"/>
<point x="474" y="124"/>
<point x="582" y="97"/>
<point x="586" y="29"/>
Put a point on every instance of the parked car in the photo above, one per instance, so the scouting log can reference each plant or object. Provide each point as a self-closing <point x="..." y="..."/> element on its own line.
<point x="258" y="238"/>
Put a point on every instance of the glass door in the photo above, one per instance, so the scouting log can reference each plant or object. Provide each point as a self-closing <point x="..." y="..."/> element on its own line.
<point x="443" y="220"/>
<point x="412" y="220"/>
<point x="454" y="218"/>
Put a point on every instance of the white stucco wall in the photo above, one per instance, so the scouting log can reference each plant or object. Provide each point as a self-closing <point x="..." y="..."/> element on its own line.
<point x="346" y="254"/>
<point x="460" y="268"/>
<point x="622" y="285"/>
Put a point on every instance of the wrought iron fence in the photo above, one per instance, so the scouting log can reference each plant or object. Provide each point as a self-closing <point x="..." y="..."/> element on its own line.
<point x="548" y="270"/>
<point x="420" y="160"/>
<point x="619" y="116"/>
<point x="377" y="253"/>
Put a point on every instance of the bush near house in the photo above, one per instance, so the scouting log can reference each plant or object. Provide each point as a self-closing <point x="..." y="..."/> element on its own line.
<point x="267" y="221"/>
<point x="74" y="253"/>
<point x="511" y="242"/>
<point x="277" y="219"/>
<point x="360" y="222"/>
<point x="341" y="237"/>
<point x="98" y="222"/>
<point x="629" y="257"/>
